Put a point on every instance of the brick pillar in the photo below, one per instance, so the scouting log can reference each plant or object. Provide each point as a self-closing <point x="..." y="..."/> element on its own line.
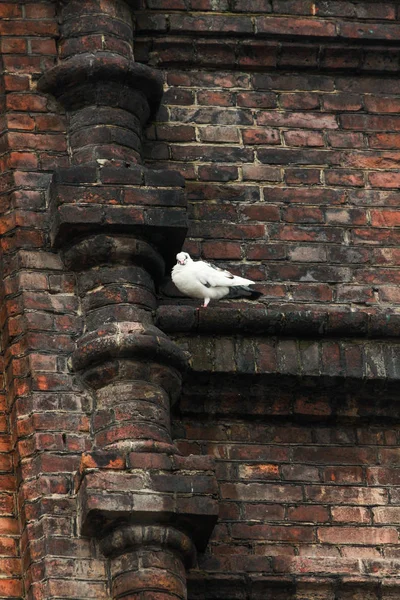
<point x="116" y="224"/>
<point x="133" y="368"/>
<point x="108" y="96"/>
<point x="155" y="564"/>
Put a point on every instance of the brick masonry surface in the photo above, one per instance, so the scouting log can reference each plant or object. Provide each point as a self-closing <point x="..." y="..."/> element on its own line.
<point x="282" y="116"/>
<point x="280" y="143"/>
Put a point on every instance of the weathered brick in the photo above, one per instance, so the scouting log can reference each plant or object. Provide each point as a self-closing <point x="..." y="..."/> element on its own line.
<point x="291" y="26"/>
<point x="362" y="10"/>
<point x="217" y="23"/>
<point x="304" y="138"/>
<point x="298" y="56"/>
<point x="222" y="250"/>
<point x="316" y="565"/>
<point x="213" y="173"/>
<point x="261" y="136"/>
<point x="293" y="119"/>
<point x="381" y="179"/>
<point x="294" y="176"/>
<point x="273" y="533"/>
<point x="287" y="156"/>
<point x="261" y="212"/>
<point x="26" y="102"/>
<point x="219" y="134"/>
<point x="362" y="30"/>
<point x="292" y="81"/>
<point x="303" y="215"/>
<point x="342" y="102"/>
<point x="256" y="100"/>
<point x="311" y="514"/>
<point x="344" y="139"/>
<point x="349" y="495"/>
<point x="344" y="177"/>
<point x="351" y="514"/>
<point x="358" y="535"/>
<point x="299" y="100"/>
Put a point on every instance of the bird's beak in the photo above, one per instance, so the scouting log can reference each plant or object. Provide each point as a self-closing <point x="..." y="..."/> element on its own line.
<point x="181" y="262"/>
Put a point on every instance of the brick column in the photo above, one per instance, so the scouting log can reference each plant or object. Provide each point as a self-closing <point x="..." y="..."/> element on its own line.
<point x="154" y="564"/>
<point x="133" y="368"/>
<point x="116" y="224"/>
<point x="109" y="96"/>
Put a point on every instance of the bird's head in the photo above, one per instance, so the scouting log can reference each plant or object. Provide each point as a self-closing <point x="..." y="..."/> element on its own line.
<point x="183" y="258"/>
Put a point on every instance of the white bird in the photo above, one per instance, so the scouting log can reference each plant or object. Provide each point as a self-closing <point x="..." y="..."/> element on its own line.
<point x="200" y="279"/>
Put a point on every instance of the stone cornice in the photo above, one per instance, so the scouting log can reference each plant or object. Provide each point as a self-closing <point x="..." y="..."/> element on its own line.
<point x="126" y="340"/>
<point x="262" y="321"/>
<point x="257" y="342"/>
<point x="138" y="536"/>
<point x="269" y="26"/>
<point x="284" y="585"/>
<point x="163" y="49"/>
<point x="256" y="356"/>
<point x="88" y="68"/>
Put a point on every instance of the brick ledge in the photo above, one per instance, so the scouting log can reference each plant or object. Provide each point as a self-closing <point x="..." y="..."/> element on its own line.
<point x="262" y="587"/>
<point x="261" y="321"/>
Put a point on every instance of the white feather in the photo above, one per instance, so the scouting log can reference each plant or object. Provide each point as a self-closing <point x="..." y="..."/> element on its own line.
<point x="199" y="279"/>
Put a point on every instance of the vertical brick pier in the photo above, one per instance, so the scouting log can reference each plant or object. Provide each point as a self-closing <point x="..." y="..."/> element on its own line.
<point x="115" y="223"/>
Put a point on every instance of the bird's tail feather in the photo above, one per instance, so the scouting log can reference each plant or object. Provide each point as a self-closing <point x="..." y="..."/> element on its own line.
<point x="243" y="291"/>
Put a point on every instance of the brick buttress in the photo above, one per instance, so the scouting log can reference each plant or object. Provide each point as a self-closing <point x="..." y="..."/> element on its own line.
<point x="117" y="224"/>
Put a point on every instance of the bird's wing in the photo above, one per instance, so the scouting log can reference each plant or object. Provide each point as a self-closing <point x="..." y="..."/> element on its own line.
<point x="212" y="276"/>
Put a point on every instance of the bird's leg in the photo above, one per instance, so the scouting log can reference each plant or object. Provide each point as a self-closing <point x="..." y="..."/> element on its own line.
<point x="206" y="301"/>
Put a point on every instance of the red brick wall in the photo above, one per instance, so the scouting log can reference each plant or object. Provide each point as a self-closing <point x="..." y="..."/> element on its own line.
<point x="10" y="566"/>
<point x="293" y="176"/>
<point x="296" y="497"/>
<point x="38" y="316"/>
<point x="284" y="122"/>
<point x="290" y="159"/>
